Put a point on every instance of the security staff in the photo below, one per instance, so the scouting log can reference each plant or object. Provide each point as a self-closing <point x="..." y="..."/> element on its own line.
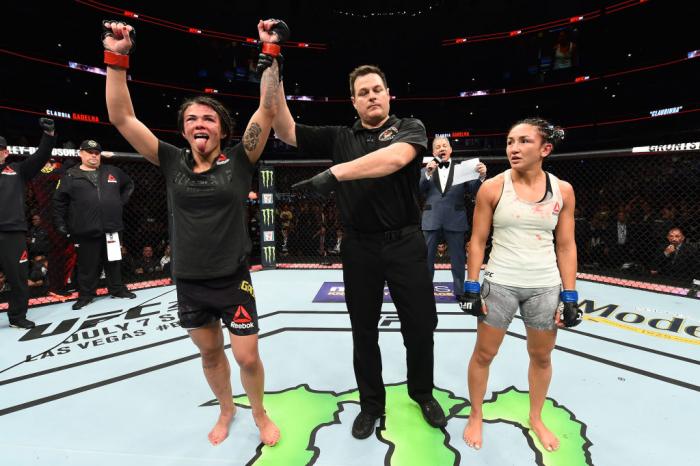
<point x="377" y="163"/>
<point x="87" y="205"/>
<point x="13" y="222"/>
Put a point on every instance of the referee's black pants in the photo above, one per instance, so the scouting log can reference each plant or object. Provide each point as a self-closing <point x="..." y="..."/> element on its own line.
<point x="400" y="260"/>
<point x="92" y="257"/>
<point x="13" y="246"/>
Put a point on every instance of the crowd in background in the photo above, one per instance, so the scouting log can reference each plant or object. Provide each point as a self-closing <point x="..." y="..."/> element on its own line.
<point x="636" y="218"/>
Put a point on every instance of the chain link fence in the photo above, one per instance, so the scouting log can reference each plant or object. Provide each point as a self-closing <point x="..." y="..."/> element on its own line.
<point x="632" y="211"/>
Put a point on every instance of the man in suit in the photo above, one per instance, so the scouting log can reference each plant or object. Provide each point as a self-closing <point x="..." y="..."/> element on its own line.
<point x="678" y="260"/>
<point x="445" y="213"/>
<point x="621" y="238"/>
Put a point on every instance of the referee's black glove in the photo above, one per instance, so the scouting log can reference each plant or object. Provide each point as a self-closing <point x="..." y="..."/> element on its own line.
<point x="324" y="183"/>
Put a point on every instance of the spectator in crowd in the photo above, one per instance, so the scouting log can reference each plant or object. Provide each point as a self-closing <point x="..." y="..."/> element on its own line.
<point x="286" y="219"/>
<point x="87" y="206"/>
<point x="441" y="255"/>
<point x="13" y="222"/>
<point x="320" y="238"/>
<point x="678" y="259"/>
<point x="445" y="212"/>
<point x="38" y="280"/>
<point x="565" y="55"/>
<point x="147" y="265"/>
<point x="165" y="261"/>
<point x="338" y="241"/>
<point x="37" y="237"/>
<point x="128" y="264"/>
<point x="620" y="239"/>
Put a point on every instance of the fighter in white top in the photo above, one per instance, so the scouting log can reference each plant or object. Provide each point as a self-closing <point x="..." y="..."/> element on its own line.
<point x="533" y="257"/>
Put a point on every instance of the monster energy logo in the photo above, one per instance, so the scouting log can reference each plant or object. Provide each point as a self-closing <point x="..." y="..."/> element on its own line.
<point x="268" y="216"/>
<point x="266" y="177"/>
<point x="269" y="253"/>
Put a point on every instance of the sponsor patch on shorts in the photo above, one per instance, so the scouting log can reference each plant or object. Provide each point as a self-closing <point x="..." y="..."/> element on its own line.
<point x="247" y="287"/>
<point x="241" y="319"/>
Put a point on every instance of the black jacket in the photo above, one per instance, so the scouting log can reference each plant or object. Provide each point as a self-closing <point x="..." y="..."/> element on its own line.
<point x="13" y="177"/>
<point x="681" y="265"/>
<point x="87" y="209"/>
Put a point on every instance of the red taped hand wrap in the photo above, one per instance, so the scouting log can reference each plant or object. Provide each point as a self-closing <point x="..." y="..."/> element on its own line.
<point x="117" y="59"/>
<point x="271" y="49"/>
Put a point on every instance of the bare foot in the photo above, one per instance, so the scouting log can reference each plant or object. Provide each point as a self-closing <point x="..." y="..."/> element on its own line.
<point x="220" y="431"/>
<point x="269" y="433"/>
<point x="472" y="432"/>
<point x="548" y="440"/>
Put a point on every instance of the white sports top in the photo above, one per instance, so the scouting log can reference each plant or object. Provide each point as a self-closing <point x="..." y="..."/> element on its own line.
<point x="523" y="238"/>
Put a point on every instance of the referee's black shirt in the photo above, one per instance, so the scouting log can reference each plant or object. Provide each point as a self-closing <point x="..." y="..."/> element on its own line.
<point x="371" y="205"/>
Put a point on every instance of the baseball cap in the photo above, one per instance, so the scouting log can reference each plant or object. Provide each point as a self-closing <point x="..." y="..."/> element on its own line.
<point x="90" y="144"/>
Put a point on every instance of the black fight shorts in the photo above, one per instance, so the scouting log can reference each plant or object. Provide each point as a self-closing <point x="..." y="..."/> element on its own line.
<point x="231" y="299"/>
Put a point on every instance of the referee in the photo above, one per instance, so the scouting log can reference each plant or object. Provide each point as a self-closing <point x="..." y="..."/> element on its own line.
<point x="376" y="165"/>
<point x="13" y="222"/>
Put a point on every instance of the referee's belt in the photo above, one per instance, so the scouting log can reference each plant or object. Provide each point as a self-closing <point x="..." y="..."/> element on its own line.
<point x="385" y="236"/>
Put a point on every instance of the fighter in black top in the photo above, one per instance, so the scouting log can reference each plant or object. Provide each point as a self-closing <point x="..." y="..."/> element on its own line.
<point x="207" y="187"/>
<point x="375" y="173"/>
<point x="14" y="260"/>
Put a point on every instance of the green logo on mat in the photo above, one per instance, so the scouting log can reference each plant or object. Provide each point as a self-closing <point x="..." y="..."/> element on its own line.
<point x="300" y="412"/>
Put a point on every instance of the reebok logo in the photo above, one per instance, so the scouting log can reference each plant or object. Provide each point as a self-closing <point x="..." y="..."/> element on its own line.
<point x="241" y="316"/>
<point x="241" y="319"/>
<point x="24" y="257"/>
<point x="111" y="179"/>
<point x="8" y="171"/>
<point x="222" y="159"/>
<point x="556" y="209"/>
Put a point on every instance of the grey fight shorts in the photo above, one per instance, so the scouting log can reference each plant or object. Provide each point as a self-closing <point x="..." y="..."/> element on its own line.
<point x="537" y="305"/>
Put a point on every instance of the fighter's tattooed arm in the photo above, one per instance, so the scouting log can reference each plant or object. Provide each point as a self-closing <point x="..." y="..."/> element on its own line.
<point x="252" y="137"/>
<point x="268" y="87"/>
<point x="260" y="124"/>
